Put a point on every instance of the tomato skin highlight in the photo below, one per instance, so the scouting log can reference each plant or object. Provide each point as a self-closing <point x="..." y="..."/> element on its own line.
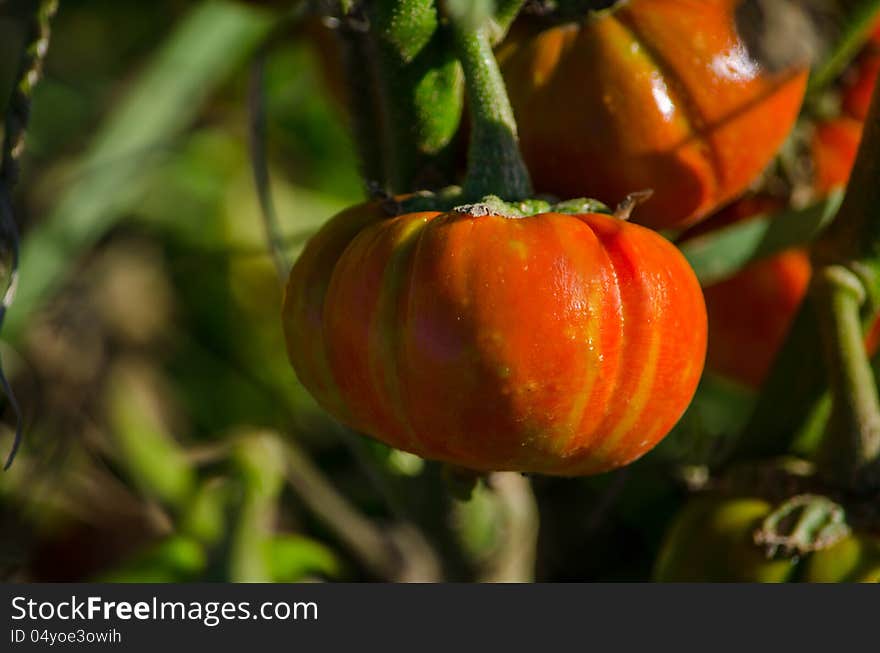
<point x="557" y="344"/>
<point x="657" y="94"/>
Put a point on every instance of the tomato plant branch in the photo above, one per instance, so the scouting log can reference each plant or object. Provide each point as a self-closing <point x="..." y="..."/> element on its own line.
<point x="17" y="117"/>
<point x="853" y="441"/>
<point x="365" y="120"/>
<point x="844" y="299"/>
<point x="260" y="166"/>
<point x="495" y="165"/>
<point x="417" y="92"/>
<point x="258" y="460"/>
<point x="846" y="296"/>
<point x="374" y="549"/>
<point x="515" y="559"/>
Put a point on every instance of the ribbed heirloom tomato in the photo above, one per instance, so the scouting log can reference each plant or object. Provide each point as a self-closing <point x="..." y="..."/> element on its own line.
<point x="556" y="343"/>
<point x="658" y="94"/>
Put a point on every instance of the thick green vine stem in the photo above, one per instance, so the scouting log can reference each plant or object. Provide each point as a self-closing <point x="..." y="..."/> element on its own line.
<point x="846" y="296"/>
<point x="495" y="165"/>
<point x="404" y="89"/>
<point x="853" y="443"/>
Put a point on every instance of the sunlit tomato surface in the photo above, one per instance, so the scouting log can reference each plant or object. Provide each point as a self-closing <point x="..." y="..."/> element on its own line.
<point x="751" y="313"/>
<point x="559" y="344"/>
<point x="658" y="94"/>
<point x="712" y="540"/>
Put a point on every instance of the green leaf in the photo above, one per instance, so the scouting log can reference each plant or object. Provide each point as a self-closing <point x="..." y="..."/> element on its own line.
<point x="855" y="29"/>
<point x="717" y="413"/>
<point x="294" y="557"/>
<point x="174" y="560"/>
<point x="258" y="458"/>
<point x="722" y="253"/>
<point x="145" y="448"/>
<point x="198" y="56"/>
<point x="406" y="25"/>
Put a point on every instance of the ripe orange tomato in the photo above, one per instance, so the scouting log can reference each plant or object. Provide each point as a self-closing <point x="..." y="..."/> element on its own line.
<point x="559" y="344"/>
<point x="658" y="94"/>
<point x="750" y="313"/>
<point x="834" y="148"/>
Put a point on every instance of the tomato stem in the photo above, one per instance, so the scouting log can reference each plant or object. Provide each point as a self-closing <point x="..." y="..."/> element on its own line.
<point x="495" y="165"/>
<point x="853" y="440"/>
<point x="365" y="120"/>
<point x="846" y="295"/>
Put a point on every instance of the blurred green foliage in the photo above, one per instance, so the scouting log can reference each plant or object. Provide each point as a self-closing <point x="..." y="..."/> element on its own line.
<point x="167" y="437"/>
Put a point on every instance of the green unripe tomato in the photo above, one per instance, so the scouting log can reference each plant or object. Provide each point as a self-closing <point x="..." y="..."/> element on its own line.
<point x="711" y="541"/>
<point x="855" y="559"/>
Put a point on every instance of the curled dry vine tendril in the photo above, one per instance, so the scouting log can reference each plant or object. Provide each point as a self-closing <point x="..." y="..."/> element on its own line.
<point x="17" y="116"/>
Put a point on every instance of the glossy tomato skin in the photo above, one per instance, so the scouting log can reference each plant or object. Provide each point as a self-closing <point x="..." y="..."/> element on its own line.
<point x="657" y="94"/>
<point x="556" y="344"/>
<point x="304" y="297"/>
<point x="711" y="540"/>
<point x="835" y="145"/>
